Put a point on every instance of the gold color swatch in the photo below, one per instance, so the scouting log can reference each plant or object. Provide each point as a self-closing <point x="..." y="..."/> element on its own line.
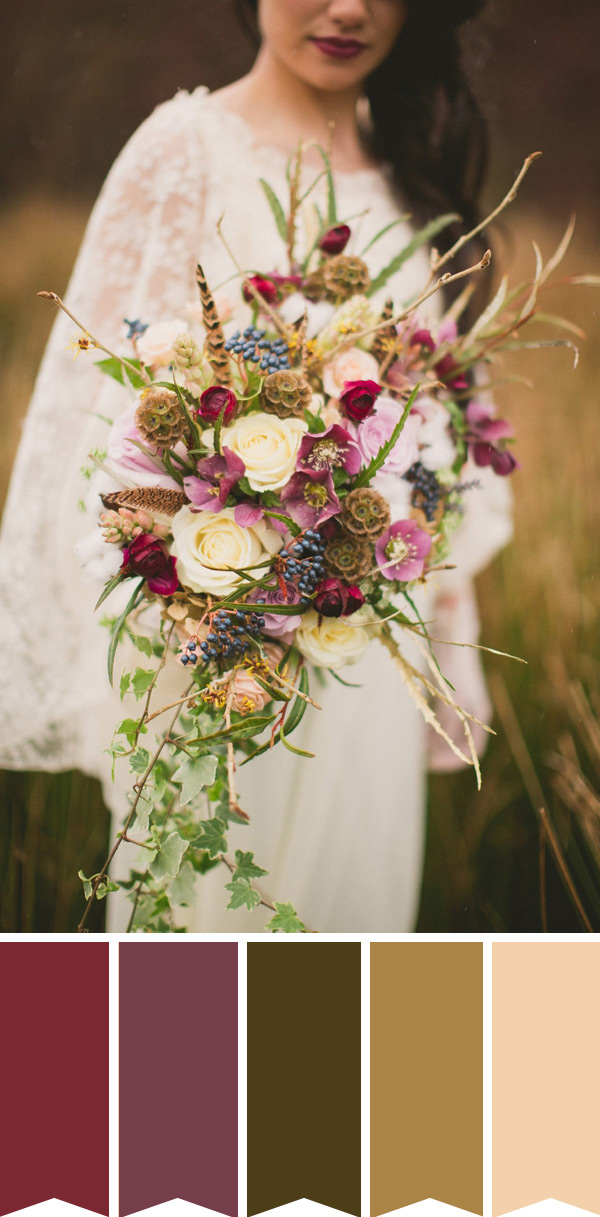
<point x="545" y="1073"/>
<point x="426" y="1074"/>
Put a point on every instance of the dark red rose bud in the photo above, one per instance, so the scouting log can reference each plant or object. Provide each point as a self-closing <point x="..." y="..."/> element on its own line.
<point x="331" y="598"/>
<point x="335" y="240"/>
<point x="329" y="529"/>
<point x="422" y="338"/>
<point x="216" y="400"/>
<point x="265" y="288"/>
<point x="358" y="398"/>
<point x="355" y="600"/>
<point x="149" y="557"/>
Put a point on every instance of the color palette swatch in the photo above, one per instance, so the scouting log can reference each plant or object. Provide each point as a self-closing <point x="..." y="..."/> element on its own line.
<point x="444" y="1036"/>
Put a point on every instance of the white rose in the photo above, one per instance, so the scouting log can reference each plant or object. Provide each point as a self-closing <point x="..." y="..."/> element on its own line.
<point x="351" y="364"/>
<point x="155" y="345"/>
<point x="268" y="446"/>
<point x="208" y="544"/>
<point x="331" y="644"/>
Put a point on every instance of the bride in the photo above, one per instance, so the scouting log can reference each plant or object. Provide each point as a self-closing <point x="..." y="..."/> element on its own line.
<point x="341" y="835"/>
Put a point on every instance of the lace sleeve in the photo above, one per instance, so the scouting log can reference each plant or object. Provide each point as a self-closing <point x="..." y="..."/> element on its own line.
<point x="137" y="260"/>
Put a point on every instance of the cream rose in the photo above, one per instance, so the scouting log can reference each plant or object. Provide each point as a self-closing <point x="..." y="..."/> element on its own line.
<point x="268" y="446"/>
<point x="155" y="345"/>
<point x="207" y="545"/>
<point x="350" y="364"/>
<point x="331" y="644"/>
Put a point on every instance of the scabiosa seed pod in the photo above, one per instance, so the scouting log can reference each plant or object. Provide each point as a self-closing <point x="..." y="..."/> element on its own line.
<point x="348" y="557"/>
<point x="216" y="401"/>
<point x="285" y="393"/>
<point x="335" y="239"/>
<point x="365" y="513"/>
<point x="160" y="418"/>
<point x="313" y="286"/>
<point x="345" y="276"/>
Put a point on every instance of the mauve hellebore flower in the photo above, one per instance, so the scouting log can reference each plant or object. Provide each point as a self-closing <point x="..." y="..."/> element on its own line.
<point x="332" y="449"/>
<point x="358" y="398"/>
<point x="485" y="431"/>
<point x="217" y="401"/>
<point x="149" y="557"/>
<point x="336" y="599"/>
<point x="310" y="498"/>
<point x="446" y="366"/>
<point x="402" y="550"/>
<point x="216" y="477"/>
<point x="335" y="239"/>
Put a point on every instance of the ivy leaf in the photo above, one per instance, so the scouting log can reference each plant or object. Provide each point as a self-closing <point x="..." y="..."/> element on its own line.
<point x="194" y="775"/>
<point x="140" y="760"/>
<point x="183" y="888"/>
<point x="131" y="728"/>
<point x="212" y="837"/>
<point x="242" y="895"/>
<point x="142" y="679"/>
<point x="124" y="685"/>
<point x="246" y="867"/>
<point x="286" y="920"/>
<point x="87" y="884"/>
<point x="168" y="857"/>
<point x="143" y="644"/>
<point x="105" y="887"/>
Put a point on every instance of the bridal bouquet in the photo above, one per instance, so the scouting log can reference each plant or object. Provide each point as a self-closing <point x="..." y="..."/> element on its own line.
<point x="270" y="502"/>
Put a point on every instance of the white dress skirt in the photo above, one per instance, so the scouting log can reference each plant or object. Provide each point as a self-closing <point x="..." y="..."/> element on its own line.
<point x="342" y="834"/>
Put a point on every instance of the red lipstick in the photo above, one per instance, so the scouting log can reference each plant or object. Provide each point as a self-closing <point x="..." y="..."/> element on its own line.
<point x="339" y="48"/>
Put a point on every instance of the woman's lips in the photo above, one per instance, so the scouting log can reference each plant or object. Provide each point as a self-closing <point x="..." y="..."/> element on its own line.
<point x="339" y="48"/>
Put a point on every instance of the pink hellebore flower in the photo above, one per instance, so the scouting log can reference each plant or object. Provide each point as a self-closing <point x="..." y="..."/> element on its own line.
<point x="485" y="437"/>
<point x="310" y="498"/>
<point x="332" y="449"/>
<point x="401" y="551"/>
<point x="217" y="475"/>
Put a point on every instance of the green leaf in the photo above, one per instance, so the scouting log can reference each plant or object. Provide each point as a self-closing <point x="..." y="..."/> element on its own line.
<point x="242" y="895"/>
<point x="315" y="424"/>
<point x="110" y="587"/>
<point x="382" y="231"/>
<point x="142" y="679"/>
<point x="194" y="776"/>
<point x="136" y="596"/>
<point x="294" y="717"/>
<point x="294" y="528"/>
<point x="87" y="884"/>
<point x="183" y="888"/>
<point x="422" y="237"/>
<point x="331" y="203"/>
<point x="143" y="644"/>
<point x="140" y="760"/>
<point x="167" y="862"/>
<point x="246" y="867"/>
<point x="276" y="208"/>
<point x="365" y="475"/>
<point x="131" y="728"/>
<point x="124" y="684"/>
<point x="111" y="367"/>
<point x="286" y="920"/>
<point x="105" y="887"/>
<point x="212" y="837"/>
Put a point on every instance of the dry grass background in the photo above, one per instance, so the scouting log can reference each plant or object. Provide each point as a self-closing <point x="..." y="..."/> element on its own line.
<point x="539" y="600"/>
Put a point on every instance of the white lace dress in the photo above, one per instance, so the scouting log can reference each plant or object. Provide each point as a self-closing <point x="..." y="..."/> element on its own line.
<point x="341" y="835"/>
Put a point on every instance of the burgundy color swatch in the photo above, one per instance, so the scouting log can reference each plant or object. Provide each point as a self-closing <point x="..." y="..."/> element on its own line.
<point x="178" y="1102"/>
<point x="54" y="1111"/>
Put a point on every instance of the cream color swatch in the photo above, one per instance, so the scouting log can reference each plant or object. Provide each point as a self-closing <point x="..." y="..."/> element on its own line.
<point x="546" y="1074"/>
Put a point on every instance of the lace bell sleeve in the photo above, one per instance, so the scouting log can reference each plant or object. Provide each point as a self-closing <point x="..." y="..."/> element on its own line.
<point x="136" y="261"/>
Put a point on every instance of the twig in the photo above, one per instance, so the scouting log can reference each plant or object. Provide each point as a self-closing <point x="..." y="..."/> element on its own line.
<point x="275" y="318"/>
<point x="543" y="903"/>
<point x="124" y="362"/>
<point x="548" y="829"/>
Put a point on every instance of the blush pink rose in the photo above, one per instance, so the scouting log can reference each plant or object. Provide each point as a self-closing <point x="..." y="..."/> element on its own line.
<point x="377" y="429"/>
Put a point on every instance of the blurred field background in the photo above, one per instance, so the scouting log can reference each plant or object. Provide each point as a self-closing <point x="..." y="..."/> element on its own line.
<point x="76" y="79"/>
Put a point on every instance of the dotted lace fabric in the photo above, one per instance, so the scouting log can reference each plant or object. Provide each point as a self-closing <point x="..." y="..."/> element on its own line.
<point x="187" y="166"/>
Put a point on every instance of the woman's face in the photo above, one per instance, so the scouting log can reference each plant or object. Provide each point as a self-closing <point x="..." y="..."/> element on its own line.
<point x="331" y="44"/>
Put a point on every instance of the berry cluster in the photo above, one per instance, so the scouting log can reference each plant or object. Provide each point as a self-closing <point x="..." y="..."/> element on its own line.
<point x="252" y="345"/>
<point x="229" y="637"/>
<point x="301" y="564"/>
<point x="427" y="490"/>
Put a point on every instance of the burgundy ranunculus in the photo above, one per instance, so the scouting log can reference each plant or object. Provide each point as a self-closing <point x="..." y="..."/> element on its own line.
<point x="447" y="371"/>
<point x="422" y="338"/>
<point x="355" y="600"/>
<point x="358" y="398"/>
<point x="148" y="556"/>
<point x="335" y="240"/>
<point x="265" y="288"/>
<point x="331" y="598"/>
<point x="216" y="400"/>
